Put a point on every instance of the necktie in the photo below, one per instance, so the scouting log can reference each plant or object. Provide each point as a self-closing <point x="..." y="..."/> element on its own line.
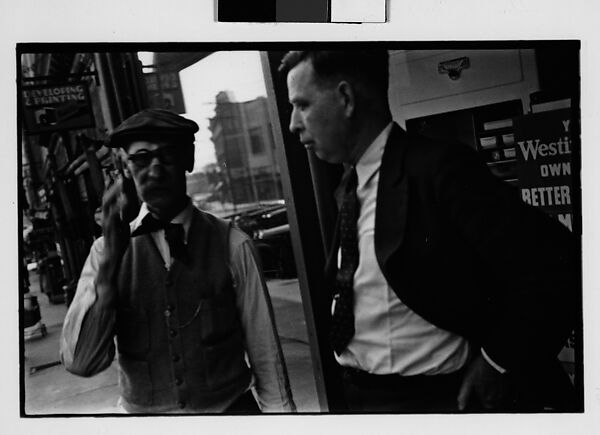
<point x="174" y="234"/>
<point x="342" y="322"/>
<point x="149" y="225"/>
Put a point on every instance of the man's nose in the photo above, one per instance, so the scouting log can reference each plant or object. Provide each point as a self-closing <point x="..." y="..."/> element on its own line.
<point x="156" y="168"/>
<point x="295" y="124"/>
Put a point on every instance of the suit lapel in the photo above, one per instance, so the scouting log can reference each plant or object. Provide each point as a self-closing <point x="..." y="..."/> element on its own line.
<point x="391" y="208"/>
<point x="392" y="198"/>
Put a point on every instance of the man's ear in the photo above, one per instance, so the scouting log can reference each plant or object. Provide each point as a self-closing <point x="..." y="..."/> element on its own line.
<point x="189" y="157"/>
<point x="348" y="96"/>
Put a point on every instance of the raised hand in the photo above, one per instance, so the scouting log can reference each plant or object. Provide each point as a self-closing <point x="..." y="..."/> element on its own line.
<point x="116" y="240"/>
<point x="114" y="227"/>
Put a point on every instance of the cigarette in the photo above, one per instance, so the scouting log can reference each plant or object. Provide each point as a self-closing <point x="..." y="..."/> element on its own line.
<point x="120" y="198"/>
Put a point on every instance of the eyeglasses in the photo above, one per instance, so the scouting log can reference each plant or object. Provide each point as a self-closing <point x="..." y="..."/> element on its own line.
<point x="142" y="159"/>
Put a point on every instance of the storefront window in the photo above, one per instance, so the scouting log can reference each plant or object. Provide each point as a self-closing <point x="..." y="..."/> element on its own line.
<point x="224" y="93"/>
<point x="236" y="176"/>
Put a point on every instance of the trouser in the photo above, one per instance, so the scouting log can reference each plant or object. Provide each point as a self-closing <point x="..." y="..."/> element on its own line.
<point x="244" y="405"/>
<point x="546" y="389"/>
<point x="365" y="392"/>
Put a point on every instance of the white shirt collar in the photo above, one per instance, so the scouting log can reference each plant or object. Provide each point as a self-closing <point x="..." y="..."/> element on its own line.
<point x="184" y="217"/>
<point x="370" y="161"/>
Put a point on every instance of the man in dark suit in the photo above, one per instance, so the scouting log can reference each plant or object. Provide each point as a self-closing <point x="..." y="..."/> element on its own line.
<point x="449" y="293"/>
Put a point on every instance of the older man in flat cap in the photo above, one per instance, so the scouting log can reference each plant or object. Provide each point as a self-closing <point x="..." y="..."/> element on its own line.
<point x="179" y="288"/>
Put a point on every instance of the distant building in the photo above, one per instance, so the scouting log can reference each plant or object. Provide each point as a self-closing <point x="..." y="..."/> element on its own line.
<point x="245" y="149"/>
<point x="197" y="182"/>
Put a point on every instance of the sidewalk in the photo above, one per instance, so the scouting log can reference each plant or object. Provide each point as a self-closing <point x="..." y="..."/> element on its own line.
<point x="53" y="390"/>
<point x="291" y="326"/>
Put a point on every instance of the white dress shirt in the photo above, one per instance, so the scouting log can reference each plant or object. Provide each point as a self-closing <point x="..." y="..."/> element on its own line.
<point x="390" y="338"/>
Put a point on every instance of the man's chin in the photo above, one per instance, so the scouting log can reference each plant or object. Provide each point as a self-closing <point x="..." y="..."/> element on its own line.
<point x="165" y="207"/>
<point x="159" y="206"/>
<point x="327" y="158"/>
<point x="320" y="155"/>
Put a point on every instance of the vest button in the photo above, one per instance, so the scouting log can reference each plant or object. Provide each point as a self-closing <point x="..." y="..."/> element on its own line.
<point x="178" y="381"/>
<point x="181" y="404"/>
<point x="169" y="282"/>
<point x="173" y="333"/>
<point x="175" y="358"/>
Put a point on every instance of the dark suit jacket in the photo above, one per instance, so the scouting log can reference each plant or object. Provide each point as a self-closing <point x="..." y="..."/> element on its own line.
<point x="461" y="249"/>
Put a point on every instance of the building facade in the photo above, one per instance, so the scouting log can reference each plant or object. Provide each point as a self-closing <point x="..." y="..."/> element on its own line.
<point x="245" y="149"/>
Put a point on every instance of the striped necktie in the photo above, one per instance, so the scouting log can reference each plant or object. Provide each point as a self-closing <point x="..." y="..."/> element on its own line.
<point x="342" y="322"/>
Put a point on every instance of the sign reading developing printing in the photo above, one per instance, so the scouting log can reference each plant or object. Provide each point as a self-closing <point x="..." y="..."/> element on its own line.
<point x="49" y="108"/>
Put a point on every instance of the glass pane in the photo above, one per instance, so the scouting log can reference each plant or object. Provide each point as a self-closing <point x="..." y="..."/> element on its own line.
<point x="236" y="176"/>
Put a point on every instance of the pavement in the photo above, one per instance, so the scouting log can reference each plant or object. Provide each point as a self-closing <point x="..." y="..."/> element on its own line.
<point x="50" y="389"/>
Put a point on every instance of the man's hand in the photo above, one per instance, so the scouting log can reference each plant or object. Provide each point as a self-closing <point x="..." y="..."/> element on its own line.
<point x="114" y="227"/>
<point x="116" y="241"/>
<point x="486" y="385"/>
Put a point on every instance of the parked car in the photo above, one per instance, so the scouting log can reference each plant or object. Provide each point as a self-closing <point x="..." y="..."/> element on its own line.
<point x="268" y="226"/>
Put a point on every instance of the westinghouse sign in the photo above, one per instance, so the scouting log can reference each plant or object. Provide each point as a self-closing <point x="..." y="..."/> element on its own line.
<point x="544" y="147"/>
<point x="58" y="107"/>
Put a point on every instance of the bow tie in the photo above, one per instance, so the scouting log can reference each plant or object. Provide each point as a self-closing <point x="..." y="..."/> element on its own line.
<point x="174" y="234"/>
<point x="149" y="225"/>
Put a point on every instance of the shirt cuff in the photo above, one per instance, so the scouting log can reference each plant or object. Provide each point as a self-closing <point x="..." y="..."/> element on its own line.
<point x="492" y="363"/>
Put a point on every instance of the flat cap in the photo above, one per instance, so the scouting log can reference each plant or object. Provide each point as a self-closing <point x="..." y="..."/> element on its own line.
<point x="152" y="123"/>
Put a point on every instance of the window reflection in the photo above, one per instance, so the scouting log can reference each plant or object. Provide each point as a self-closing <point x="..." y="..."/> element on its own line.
<point x="236" y="176"/>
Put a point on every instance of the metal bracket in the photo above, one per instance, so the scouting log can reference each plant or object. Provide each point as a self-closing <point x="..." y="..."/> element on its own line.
<point x="454" y="67"/>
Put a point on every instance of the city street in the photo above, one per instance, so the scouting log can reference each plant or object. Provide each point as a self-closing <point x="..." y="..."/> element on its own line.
<point x="50" y="389"/>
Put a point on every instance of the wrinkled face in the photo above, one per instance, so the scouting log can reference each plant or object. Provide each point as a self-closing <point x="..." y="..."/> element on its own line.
<point x="318" y="114"/>
<point x="158" y="171"/>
